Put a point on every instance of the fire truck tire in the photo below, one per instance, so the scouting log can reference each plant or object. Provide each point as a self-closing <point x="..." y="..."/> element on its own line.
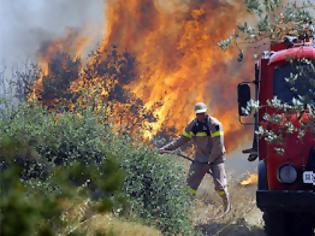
<point x="284" y="224"/>
<point x="275" y="223"/>
<point x="262" y="176"/>
<point x="302" y="224"/>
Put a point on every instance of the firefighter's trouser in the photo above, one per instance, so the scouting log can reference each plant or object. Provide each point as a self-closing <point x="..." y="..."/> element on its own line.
<point x="198" y="170"/>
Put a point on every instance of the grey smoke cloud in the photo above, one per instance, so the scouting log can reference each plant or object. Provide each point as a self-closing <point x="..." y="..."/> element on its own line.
<point x="25" y="24"/>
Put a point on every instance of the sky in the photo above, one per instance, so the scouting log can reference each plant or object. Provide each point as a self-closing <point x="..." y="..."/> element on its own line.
<point x="24" y="24"/>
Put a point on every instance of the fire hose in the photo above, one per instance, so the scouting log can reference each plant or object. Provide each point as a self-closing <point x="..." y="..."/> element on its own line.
<point x="189" y="159"/>
<point x="227" y="210"/>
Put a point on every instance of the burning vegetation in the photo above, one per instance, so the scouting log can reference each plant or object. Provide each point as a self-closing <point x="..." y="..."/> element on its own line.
<point x="252" y="179"/>
<point x="155" y="60"/>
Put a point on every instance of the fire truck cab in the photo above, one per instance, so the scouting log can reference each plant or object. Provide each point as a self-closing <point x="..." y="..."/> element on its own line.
<point x="286" y="182"/>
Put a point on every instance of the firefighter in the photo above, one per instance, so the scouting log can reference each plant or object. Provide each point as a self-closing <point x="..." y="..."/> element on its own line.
<point x="206" y="132"/>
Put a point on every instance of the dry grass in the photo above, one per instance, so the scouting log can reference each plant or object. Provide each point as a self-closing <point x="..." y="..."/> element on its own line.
<point x="244" y="218"/>
<point x="79" y="217"/>
<point x="107" y="224"/>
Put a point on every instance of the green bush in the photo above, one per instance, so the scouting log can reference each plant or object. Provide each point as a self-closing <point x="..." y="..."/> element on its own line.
<point x="26" y="213"/>
<point x="58" y="137"/>
<point x="33" y="206"/>
<point x="154" y="185"/>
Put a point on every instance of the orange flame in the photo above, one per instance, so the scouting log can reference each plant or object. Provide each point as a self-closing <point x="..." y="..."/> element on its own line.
<point x="73" y="43"/>
<point x="179" y="61"/>
<point x="251" y="180"/>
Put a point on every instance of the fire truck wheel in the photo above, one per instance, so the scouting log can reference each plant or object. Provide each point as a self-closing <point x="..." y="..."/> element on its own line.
<point x="285" y="224"/>
<point x="302" y="224"/>
<point x="275" y="223"/>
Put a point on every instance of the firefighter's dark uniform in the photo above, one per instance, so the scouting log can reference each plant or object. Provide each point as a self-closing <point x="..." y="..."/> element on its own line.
<point x="208" y="139"/>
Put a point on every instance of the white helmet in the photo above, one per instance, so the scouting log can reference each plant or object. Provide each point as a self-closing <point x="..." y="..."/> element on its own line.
<point x="200" y="107"/>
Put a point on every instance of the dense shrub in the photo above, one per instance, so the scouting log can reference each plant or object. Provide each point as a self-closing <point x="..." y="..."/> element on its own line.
<point x="25" y="214"/>
<point x="153" y="185"/>
<point x="59" y="137"/>
<point x="34" y="207"/>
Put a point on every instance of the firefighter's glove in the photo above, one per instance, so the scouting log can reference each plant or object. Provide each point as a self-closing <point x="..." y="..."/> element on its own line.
<point x="162" y="151"/>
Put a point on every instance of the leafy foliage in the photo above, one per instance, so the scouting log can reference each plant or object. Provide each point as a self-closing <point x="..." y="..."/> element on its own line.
<point x="33" y="207"/>
<point x="57" y="137"/>
<point x="295" y="105"/>
<point x="67" y="156"/>
<point x="274" y="20"/>
<point x="157" y="189"/>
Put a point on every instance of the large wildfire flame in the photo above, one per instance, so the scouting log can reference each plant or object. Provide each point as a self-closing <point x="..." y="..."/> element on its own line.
<point x="178" y="60"/>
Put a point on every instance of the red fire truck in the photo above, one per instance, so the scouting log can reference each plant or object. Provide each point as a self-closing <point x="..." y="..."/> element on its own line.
<point x="286" y="182"/>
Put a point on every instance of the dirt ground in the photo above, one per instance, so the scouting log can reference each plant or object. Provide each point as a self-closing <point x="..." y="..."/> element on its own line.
<point x="245" y="219"/>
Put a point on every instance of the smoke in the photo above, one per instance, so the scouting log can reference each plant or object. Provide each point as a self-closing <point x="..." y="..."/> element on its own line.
<point x="26" y="24"/>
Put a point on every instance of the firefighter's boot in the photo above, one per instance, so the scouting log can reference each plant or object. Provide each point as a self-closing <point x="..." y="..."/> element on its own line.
<point x="253" y="156"/>
<point x="226" y="200"/>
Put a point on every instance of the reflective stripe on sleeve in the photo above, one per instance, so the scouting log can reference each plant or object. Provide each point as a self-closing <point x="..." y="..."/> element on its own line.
<point x="217" y="134"/>
<point x="188" y="134"/>
<point x="201" y="134"/>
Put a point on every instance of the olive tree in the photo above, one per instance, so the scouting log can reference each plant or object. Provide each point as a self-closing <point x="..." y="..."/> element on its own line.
<point x="276" y="20"/>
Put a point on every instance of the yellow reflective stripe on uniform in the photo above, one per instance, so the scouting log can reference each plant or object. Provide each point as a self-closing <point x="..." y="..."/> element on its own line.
<point x="188" y="134"/>
<point x="220" y="192"/>
<point x="193" y="192"/>
<point x="217" y="134"/>
<point x="201" y="134"/>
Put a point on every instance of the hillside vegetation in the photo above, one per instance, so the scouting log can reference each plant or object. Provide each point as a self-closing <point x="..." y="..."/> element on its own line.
<point x="61" y="168"/>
